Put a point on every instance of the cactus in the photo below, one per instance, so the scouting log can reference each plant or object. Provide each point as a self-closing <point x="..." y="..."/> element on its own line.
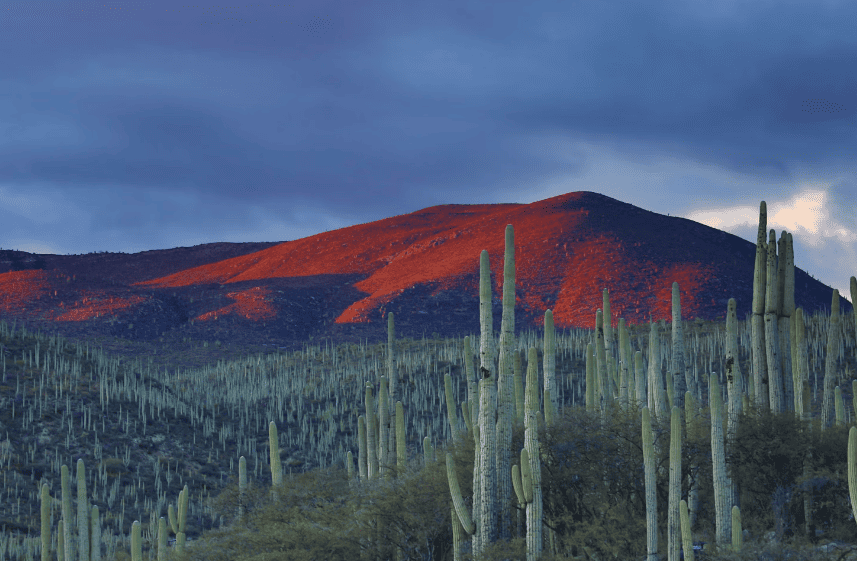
<point x="450" y="408"/>
<point x="393" y="377"/>
<point x="136" y="542"/>
<point x="651" y="488"/>
<point x="371" y="446"/>
<point x="531" y="443"/>
<point x="549" y="360"/>
<point x="505" y="381"/>
<point x="772" y="346"/>
<point x="686" y="537"/>
<point x="852" y="469"/>
<point x="737" y="536"/>
<point x="673" y="528"/>
<point x="830" y="362"/>
<point x="68" y="541"/>
<point x="785" y="311"/>
<point x="734" y="382"/>
<point x="46" y="523"/>
<point x="383" y="428"/>
<point x="677" y="367"/>
<point x="178" y="523"/>
<point x="276" y="466"/>
<point x="722" y="485"/>
<point x="760" y="374"/>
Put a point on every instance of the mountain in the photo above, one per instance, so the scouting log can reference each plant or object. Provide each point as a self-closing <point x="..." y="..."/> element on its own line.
<point x="423" y="266"/>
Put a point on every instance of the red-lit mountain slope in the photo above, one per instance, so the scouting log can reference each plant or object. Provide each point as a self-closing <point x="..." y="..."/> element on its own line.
<point x="423" y="266"/>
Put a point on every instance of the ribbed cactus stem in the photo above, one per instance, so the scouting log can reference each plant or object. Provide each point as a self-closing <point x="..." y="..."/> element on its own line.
<point x="162" y="539"/>
<point x="457" y="499"/>
<point x="531" y="443"/>
<point x="46" y="523"/>
<point x="276" y="466"/>
<point x="852" y="469"/>
<point x="82" y="513"/>
<point x="651" y="488"/>
<point x="393" y="377"/>
<point x="401" y="445"/>
<point x="760" y="277"/>
<point x="95" y="534"/>
<point x="830" y="371"/>
<point x="673" y="521"/>
<point x="383" y="428"/>
<point x="737" y="536"/>
<point x="772" y="341"/>
<point x="136" y="541"/>
<point x="68" y="527"/>
<point x="371" y="443"/>
<point x="686" y="536"/>
<point x="505" y="391"/>
<point x="785" y="311"/>
<point x="722" y="485"/>
<point x="451" y="414"/>
<point x="363" y="462"/>
<point x="549" y="360"/>
<point x="677" y="366"/>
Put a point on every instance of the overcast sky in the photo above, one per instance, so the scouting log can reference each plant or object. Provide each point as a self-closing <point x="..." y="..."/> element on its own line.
<point x="129" y="126"/>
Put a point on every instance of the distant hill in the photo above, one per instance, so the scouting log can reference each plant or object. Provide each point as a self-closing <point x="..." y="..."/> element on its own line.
<point x="424" y="266"/>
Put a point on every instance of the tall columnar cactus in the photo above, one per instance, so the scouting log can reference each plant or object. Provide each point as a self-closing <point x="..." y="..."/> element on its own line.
<point x="46" y="524"/>
<point x="519" y="388"/>
<point x="852" y="469"/>
<point x="785" y="311"/>
<point x="549" y="360"/>
<point x="178" y="522"/>
<point x="95" y="534"/>
<point x="383" y="428"/>
<point x="737" y="535"/>
<point x="82" y="513"/>
<point x="276" y="466"/>
<point x="242" y="487"/>
<point x="657" y="391"/>
<point x="772" y="345"/>
<point x="487" y="524"/>
<point x="393" y="377"/>
<point x="760" y="369"/>
<point x="591" y="380"/>
<point x="830" y="362"/>
<point x="677" y="367"/>
<point x="531" y="443"/>
<point x="604" y="384"/>
<point x="686" y="535"/>
<point x="673" y="520"/>
<point x="451" y="414"/>
<point x="734" y="381"/>
<point x="371" y="443"/>
<point x="651" y="488"/>
<point x="692" y="426"/>
<point x="68" y="526"/>
<point x="722" y="485"/>
<point x="505" y="381"/>
<point x="853" y="289"/>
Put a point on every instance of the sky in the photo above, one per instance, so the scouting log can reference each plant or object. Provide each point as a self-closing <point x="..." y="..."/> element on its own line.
<point x="131" y="125"/>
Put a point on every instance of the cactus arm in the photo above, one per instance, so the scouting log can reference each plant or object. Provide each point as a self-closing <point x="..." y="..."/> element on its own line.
<point x="457" y="500"/>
